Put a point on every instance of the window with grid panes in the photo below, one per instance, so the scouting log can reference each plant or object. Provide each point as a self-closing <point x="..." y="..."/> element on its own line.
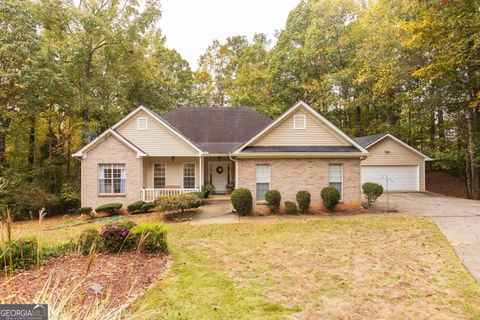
<point x="111" y="178"/>
<point x="159" y="176"/>
<point x="262" y="180"/>
<point x="189" y="176"/>
<point x="336" y="177"/>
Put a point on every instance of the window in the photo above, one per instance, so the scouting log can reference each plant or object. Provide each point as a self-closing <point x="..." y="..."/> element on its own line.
<point x="263" y="180"/>
<point x="299" y="121"/>
<point x="142" y="123"/>
<point x="111" y="178"/>
<point x="159" y="175"/>
<point x="336" y="177"/>
<point x="189" y="176"/>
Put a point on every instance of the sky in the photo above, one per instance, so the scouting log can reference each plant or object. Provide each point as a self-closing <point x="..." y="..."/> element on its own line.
<point x="191" y="25"/>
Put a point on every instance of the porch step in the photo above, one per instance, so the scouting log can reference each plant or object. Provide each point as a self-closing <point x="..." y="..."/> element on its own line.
<point x="218" y="198"/>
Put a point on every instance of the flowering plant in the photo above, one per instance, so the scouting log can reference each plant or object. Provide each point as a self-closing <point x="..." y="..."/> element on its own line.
<point x="116" y="236"/>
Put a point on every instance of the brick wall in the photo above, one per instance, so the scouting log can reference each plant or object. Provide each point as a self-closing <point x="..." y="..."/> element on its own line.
<point x="291" y="175"/>
<point x="111" y="151"/>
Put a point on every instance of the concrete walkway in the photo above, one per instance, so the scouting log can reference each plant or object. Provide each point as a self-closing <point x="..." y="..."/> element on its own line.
<point x="458" y="219"/>
<point x="216" y="210"/>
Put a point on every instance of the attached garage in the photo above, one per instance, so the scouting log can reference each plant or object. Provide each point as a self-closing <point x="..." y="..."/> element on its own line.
<point x="392" y="159"/>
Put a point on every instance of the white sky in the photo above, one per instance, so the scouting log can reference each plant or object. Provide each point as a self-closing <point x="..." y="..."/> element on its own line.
<point x="191" y="25"/>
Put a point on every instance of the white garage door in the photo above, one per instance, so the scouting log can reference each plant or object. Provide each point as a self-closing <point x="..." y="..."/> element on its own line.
<point x="401" y="178"/>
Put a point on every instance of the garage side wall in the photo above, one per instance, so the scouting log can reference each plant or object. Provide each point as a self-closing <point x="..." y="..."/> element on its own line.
<point x="110" y="151"/>
<point x="396" y="155"/>
<point x="291" y="175"/>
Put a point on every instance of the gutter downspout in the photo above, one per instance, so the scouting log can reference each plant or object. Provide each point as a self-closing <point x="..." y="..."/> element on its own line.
<point x="236" y="170"/>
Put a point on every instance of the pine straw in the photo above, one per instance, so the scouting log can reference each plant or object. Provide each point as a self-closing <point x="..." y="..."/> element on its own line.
<point x="122" y="277"/>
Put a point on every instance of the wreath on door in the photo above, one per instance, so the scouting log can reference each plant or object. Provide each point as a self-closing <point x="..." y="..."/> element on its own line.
<point x="219" y="169"/>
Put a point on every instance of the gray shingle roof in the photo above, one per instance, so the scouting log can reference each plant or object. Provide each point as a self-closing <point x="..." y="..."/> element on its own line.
<point x="368" y="140"/>
<point x="301" y="149"/>
<point x="217" y="129"/>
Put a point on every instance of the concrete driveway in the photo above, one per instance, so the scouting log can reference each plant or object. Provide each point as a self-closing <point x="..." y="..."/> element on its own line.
<point x="459" y="220"/>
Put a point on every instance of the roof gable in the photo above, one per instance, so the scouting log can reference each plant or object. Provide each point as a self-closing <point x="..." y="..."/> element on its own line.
<point x="158" y="138"/>
<point x="106" y="134"/>
<point x="317" y="132"/>
<point x="370" y="141"/>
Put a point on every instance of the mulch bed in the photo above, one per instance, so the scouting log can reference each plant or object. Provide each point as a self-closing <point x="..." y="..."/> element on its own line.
<point x="444" y="183"/>
<point x="123" y="277"/>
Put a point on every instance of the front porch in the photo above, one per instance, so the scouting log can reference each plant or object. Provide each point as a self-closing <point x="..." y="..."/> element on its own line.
<point x="179" y="175"/>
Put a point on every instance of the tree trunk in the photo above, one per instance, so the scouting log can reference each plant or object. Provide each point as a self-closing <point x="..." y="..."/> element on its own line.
<point x="432" y="130"/>
<point x="472" y="171"/>
<point x="31" y="143"/>
<point x="441" y="130"/>
<point x="358" y="120"/>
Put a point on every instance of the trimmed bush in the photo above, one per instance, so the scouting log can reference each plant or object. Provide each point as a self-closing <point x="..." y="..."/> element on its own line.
<point x="110" y="208"/>
<point x="242" y="201"/>
<point x="330" y="197"/>
<point x="116" y="236"/>
<point x="85" y="210"/>
<point x="19" y="254"/>
<point x="199" y="194"/>
<point x="290" y="207"/>
<point x="303" y="200"/>
<point x="372" y="191"/>
<point x="136" y="206"/>
<point x="151" y="237"/>
<point x="179" y="202"/>
<point x="88" y="238"/>
<point x="273" y="199"/>
<point x="147" y="206"/>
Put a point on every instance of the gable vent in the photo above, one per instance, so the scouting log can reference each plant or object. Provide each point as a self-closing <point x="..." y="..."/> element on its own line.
<point x="142" y="123"/>
<point x="299" y="121"/>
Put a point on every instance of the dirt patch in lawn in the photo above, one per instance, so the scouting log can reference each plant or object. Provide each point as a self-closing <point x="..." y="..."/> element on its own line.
<point x="122" y="278"/>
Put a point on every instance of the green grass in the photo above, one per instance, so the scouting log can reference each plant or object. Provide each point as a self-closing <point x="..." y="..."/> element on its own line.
<point x="343" y="267"/>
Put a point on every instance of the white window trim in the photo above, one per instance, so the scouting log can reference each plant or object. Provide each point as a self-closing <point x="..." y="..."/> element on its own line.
<point x="269" y="180"/>
<point x="153" y="173"/>
<point x="138" y="123"/>
<point x="120" y="194"/>
<point x="341" y="175"/>
<point x="194" y="175"/>
<point x="304" y="118"/>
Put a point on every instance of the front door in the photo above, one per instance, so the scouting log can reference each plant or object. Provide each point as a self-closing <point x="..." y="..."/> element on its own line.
<point x="219" y="175"/>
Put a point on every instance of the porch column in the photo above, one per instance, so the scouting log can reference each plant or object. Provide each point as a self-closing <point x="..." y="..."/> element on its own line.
<point x="200" y="172"/>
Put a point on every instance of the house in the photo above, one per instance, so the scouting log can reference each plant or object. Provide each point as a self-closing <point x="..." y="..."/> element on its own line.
<point x="144" y="155"/>
<point x="392" y="159"/>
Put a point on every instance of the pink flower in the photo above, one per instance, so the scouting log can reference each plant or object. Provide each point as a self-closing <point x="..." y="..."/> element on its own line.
<point x="114" y="227"/>
<point x="124" y="233"/>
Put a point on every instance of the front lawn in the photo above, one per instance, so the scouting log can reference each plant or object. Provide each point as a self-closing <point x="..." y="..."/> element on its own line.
<point x="333" y="268"/>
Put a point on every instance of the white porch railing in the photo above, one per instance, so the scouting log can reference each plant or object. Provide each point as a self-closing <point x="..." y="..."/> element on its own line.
<point x="153" y="194"/>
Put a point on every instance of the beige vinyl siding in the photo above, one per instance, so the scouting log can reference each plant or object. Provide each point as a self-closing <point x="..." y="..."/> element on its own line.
<point x="173" y="171"/>
<point x="157" y="140"/>
<point x="315" y="133"/>
<point x="398" y="155"/>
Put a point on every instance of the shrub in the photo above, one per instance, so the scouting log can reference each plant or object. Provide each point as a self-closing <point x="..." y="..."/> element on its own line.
<point x="116" y="236"/>
<point x="136" y="206"/>
<point x="110" y="208"/>
<point x="207" y="189"/>
<point x="242" y="201"/>
<point x="372" y="191"/>
<point x="303" y="200"/>
<point x="290" y="207"/>
<point x="85" y="210"/>
<point x="151" y="237"/>
<point x="147" y="206"/>
<point x="330" y="197"/>
<point x="59" y="249"/>
<point x="198" y="194"/>
<point x="88" y="238"/>
<point x="179" y="202"/>
<point x="21" y="253"/>
<point x="273" y="199"/>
